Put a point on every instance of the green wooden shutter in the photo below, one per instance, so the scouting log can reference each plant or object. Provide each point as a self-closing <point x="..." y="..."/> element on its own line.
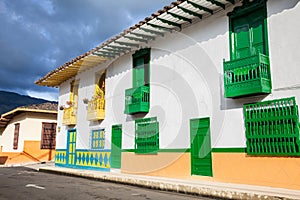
<point x="241" y="38"/>
<point x="116" y="148"/>
<point x="248" y="31"/>
<point x="201" y="158"/>
<point x="138" y="72"/>
<point x="257" y="32"/>
<point x="146" y="136"/>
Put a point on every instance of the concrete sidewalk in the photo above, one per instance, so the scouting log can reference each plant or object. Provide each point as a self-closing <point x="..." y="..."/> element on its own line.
<point x="203" y="188"/>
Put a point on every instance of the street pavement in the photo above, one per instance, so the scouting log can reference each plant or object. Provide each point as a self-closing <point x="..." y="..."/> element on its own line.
<point x="27" y="183"/>
<point x="62" y="186"/>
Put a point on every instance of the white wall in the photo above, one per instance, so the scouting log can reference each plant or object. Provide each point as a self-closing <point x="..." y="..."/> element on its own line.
<point x="30" y="130"/>
<point x="187" y="82"/>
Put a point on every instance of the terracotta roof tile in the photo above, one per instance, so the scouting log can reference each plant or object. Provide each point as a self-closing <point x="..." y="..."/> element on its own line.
<point x="43" y="106"/>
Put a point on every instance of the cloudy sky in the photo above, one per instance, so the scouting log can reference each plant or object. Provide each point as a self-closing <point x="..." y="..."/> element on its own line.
<point x="37" y="36"/>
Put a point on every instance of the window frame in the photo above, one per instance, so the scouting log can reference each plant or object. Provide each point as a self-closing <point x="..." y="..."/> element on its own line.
<point x="145" y="55"/>
<point x="242" y="11"/>
<point x="99" y="140"/>
<point x="51" y="141"/>
<point x="16" y="136"/>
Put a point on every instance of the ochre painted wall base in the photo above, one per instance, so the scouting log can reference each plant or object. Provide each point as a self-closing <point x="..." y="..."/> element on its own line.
<point x="237" y="167"/>
<point x="31" y="153"/>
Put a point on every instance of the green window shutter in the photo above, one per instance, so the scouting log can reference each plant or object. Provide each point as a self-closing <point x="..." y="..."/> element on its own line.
<point x="272" y="128"/>
<point x="138" y="72"/>
<point x="241" y="38"/>
<point x="141" y="60"/>
<point x="146" y="136"/>
<point x="248" y="30"/>
<point x="258" y="42"/>
<point x="201" y="158"/>
<point x="116" y="148"/>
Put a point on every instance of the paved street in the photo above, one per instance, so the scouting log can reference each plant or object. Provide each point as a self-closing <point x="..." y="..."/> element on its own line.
<point x="24" y="183"/>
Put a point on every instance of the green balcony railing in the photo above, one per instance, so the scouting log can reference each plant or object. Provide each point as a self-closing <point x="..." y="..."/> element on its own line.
<point x="137" y="100"/>
<point x="247" y="76"/>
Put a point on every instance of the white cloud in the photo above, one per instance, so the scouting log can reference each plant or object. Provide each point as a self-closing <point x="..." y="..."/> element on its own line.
<point x="50" y="96"/>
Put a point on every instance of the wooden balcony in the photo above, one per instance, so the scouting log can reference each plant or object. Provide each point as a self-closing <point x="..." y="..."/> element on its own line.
<point x="96" y="109"/>
<point x="137" y="100"/>
<point x="69" y="117"/>
<point x="247" y="76"/>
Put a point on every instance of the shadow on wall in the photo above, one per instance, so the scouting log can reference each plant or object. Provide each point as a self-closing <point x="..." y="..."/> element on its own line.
<point x="234" y="103"/>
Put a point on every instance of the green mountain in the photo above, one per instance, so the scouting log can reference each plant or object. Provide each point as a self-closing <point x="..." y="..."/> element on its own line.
<point x="11" y="100"/>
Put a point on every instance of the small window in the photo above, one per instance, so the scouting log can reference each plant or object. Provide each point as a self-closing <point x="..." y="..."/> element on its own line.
<point x="48" y="135"/>
<point x="16" y="135"/>
<point x="98" y="139"/>
<point x="272" y="128"/>
<point x="141" y="61"/>
<point x="146" y="136"/>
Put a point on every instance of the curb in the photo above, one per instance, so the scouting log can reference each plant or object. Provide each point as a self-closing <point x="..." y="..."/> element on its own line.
<point x="172" y="186"/>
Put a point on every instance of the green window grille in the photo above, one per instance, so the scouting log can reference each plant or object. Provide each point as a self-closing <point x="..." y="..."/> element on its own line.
<point x="248" y="71"/>
<point x="98" y="139"/>
<point x="146" y="136"/>
<point x="137" y="98"/>
<point x="272" y="128"/>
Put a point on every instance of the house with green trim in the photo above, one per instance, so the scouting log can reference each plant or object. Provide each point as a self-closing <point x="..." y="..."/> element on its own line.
<point x="201" y="89"/>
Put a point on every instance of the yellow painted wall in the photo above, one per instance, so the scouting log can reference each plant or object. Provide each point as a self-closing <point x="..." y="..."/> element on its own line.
<point x="31" y="153"/>
<point x="283" y="172"/>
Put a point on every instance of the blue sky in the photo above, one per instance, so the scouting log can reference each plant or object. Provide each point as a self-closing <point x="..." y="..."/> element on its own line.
<point x="38" y="36"/>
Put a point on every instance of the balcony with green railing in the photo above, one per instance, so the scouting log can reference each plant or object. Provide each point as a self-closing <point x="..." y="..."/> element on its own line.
<point x="96" y="109"/>
<point x="69" y="116"/>
<point x="247" y="76"/>
<point x="137" y="100"/>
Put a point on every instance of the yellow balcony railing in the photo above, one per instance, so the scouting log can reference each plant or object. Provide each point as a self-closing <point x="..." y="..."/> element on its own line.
<point x="69" y="117"/>
<point x="96" y="109"/>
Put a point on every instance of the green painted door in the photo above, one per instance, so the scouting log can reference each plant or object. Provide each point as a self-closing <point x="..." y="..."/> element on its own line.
<point x="116" y="146"/>
<point x="201" y="158"/>
<point x="138" y="72"/>
<point x="248" y="35"/>
<point x="71" y="147"/>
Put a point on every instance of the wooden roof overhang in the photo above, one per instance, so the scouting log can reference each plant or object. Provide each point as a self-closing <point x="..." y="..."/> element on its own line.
<point x="178" y="15"/>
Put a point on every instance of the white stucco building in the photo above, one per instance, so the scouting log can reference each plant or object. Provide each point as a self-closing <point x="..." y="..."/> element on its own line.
<point x="199" y="90"/>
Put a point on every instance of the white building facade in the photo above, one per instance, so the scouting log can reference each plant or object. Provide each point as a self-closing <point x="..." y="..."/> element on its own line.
<point x="207" y="92"/>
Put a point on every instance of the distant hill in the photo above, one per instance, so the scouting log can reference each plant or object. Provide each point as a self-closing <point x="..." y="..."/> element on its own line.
<point x="11" y="100"/>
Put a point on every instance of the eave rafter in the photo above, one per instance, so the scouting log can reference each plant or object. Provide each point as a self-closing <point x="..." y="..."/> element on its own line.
<point x="190" y="12"/>
<point x="169" y="22"/>
<point x="152" y="31"/>
<point x="180" y="17"/>
<point x="127" y="44"/>
<point x="200" y="7"/>
<point x="163" y="28"/>
<point x="217" y="3"/>
<point x="147" y="37"/>
<point x="135" y="39"/>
